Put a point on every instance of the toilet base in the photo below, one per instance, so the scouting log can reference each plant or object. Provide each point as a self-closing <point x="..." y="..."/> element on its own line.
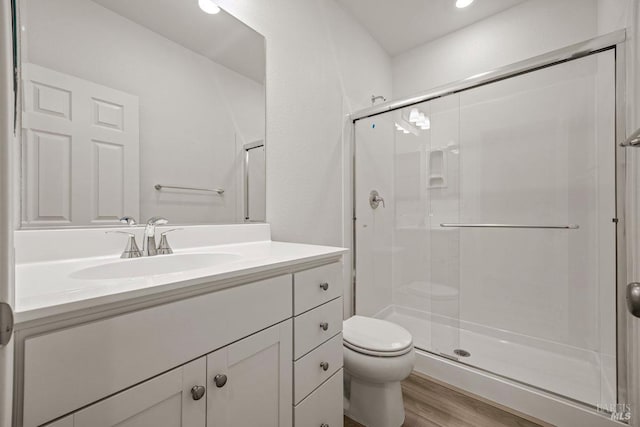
<point x="372" y="404"/>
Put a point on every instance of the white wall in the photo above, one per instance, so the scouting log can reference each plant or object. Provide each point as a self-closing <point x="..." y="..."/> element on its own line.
<point x="526" y="30"/>
<point x="321" y="65"/>
<point x="194" y="114"/>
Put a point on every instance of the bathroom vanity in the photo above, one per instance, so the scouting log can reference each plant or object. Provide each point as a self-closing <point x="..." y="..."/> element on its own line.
<point x="248" y="333"/>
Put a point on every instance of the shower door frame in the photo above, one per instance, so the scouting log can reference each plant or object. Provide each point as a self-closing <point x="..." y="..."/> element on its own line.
<point x="615" y="41"/>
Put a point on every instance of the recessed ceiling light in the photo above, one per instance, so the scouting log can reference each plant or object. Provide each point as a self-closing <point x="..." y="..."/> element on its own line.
<point x="208" y="6"/>
<point x="463" y="3"/>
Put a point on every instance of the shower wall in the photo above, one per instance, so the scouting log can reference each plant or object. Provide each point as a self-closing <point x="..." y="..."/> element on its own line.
<point x="374" y="161"/>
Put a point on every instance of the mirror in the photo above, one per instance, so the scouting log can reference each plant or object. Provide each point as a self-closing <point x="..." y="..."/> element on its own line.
<point x="125" y="112"/>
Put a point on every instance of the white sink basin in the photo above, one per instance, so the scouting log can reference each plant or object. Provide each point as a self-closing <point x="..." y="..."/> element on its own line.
<point x="153" y="266"/>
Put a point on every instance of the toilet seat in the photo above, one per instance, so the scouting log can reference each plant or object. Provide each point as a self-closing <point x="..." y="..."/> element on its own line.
<point x="375" y="337"/>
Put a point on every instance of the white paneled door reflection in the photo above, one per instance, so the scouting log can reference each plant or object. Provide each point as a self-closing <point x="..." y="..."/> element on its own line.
<point x="80" y="151"/>
<point x="536" y="304"/>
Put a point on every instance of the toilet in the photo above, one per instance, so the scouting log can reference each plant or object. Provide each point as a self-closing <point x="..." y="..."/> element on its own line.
<point x="378" y="355"/>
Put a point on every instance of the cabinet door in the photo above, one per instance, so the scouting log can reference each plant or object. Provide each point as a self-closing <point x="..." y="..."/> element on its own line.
<point x="165" y="401"/>
<point x="250" y="382"/>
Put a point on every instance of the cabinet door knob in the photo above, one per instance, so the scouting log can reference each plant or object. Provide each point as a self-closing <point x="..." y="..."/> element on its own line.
<point x="220" y="380"/>
<point x="324" y="326"/>
<point x="324" y="286"/>
<point x="197" y="391"/>
<point x="324" y="366"/>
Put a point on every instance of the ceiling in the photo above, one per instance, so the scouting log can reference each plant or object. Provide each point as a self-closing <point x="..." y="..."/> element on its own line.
<point x="221" y="37"/>
<point x="400" y="25"/>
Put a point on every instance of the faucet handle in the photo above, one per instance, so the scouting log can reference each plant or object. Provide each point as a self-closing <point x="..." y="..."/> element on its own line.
<point x="164" y="248"/>
<point x="129" y="220"/>
<point x="131" y="250"/>
<point x="157" y="220"/>
<point x="119" y="232"/>
<point x="169" y="231"/>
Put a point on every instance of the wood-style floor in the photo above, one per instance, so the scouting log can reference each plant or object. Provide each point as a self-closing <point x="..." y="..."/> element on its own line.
<point x="428" y="404"/>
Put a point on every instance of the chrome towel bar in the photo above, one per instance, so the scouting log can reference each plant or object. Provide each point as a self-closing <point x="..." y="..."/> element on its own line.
<point x="175" y="187"/>
<point x="560" y="227"/>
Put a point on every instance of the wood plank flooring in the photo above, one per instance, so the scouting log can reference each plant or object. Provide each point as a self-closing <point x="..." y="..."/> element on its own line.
<point x="429" y="404"/>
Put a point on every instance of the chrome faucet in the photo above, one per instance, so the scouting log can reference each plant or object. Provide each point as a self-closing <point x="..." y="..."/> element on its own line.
<point x="131" y="250"/>
<point x="149" y="240"/>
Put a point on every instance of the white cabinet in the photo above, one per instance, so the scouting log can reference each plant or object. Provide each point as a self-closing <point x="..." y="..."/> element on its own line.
<point x="317" y="367"/>
<point x="317" y="326"/>
<point x="318" y="347"/>
<point x="323" y="407"/>
<point x="249" y="382"/>
<point x="98" y="359"/>
<point x="316" y="286"/>
<point x="165" y="401"/>
<point x="138" y="368"/>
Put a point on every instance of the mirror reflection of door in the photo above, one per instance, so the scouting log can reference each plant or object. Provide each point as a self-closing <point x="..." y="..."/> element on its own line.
<point x="153" y="125"/>
<point x="255" y="186"/>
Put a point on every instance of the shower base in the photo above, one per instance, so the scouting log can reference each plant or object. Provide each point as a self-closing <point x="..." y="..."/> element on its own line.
<point x="574" y="373"/>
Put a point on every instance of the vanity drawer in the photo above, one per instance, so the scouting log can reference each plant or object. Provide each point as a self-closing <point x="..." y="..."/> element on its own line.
<point x="70" y="368"/>
<point x="308" y="327"/>
<point x="309" y="287"/>
<point x="309" y="372"/>
<point x="323" y="406"/>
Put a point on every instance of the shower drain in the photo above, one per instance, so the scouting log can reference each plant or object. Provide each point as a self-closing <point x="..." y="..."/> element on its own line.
<point x="462" y="353"/>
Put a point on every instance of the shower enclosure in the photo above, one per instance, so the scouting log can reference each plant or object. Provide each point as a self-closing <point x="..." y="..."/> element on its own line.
<point x="497" y="242"/>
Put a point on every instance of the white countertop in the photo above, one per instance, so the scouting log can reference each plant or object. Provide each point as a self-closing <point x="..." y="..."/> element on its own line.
<point x="47" y="288"/>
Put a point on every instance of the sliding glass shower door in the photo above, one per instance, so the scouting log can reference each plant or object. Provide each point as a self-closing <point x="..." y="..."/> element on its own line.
<point x="407" y="265"/>
<point x="496" y="246"/>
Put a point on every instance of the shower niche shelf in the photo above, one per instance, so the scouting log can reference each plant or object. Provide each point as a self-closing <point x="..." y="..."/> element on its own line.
<point x="437" y="169"/>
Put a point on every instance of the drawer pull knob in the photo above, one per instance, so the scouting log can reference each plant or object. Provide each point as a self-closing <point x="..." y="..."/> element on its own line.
<point x="324" y="425"/>
<point x="324" y="366"/>
<point x="324" y="286"/>
<point x="324" y="326"/>
<point x="197" y="392"/>
<point x="220" y="380"/>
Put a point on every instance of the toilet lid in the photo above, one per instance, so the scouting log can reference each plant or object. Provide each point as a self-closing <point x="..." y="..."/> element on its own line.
<point x="376" y="336"/>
